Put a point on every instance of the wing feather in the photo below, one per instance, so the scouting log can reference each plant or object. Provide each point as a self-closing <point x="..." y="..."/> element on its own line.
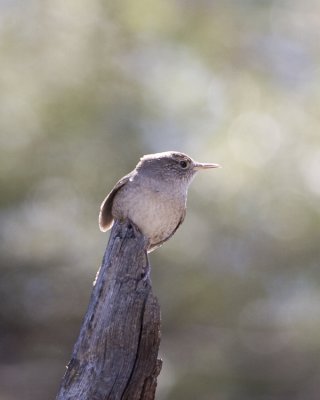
<point x="105" y="215"/>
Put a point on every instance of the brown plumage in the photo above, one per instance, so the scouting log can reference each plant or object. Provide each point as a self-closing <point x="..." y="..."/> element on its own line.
<point x="153" y="196"/>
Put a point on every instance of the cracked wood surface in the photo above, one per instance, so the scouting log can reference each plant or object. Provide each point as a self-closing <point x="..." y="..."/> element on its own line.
<point x="115" y="356"/>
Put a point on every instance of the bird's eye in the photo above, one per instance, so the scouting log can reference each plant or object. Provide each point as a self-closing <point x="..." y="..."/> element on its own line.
<point x="183" y="164"/>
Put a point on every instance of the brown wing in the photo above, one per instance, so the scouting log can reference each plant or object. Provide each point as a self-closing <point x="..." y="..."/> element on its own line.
<point x="105" y="215"/>
<point x="154" y="246"/>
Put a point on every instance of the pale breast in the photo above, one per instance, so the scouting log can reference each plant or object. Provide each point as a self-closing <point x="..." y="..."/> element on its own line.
<point x="156" y="212"/>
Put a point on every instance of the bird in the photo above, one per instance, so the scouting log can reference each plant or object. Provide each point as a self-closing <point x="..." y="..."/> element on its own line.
<point x="153" y="195"/>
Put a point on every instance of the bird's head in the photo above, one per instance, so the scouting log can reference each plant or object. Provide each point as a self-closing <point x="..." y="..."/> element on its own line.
<point x="171" y="166"/>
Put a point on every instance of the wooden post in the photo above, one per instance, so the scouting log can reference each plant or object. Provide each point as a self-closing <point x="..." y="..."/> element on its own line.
<point x="116" y="354"/>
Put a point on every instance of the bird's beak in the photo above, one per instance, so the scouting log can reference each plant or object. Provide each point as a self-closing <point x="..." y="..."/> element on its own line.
<point x="197" y="166"/>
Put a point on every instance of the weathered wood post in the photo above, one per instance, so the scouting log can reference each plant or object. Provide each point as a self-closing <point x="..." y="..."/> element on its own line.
<point x="116" y="354"/>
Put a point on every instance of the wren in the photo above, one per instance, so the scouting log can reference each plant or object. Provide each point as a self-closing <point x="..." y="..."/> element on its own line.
<point x="153" y="196"/>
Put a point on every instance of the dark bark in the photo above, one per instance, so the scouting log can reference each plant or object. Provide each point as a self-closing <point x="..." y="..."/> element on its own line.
<point x="115" y="356"/>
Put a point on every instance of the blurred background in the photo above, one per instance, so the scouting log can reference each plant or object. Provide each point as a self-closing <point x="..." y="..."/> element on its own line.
<point x="86" y="88"/>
